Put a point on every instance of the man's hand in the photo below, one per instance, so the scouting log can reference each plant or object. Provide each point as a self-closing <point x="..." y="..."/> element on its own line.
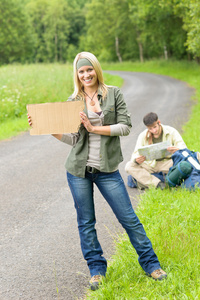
<point x="140" y="159"/>
<point x="172" y="149"/>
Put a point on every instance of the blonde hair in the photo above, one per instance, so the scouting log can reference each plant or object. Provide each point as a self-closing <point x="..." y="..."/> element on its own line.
<point x="78" y="88"/>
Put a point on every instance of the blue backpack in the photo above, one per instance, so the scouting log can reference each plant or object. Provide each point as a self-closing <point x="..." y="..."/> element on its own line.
<point x="192" y="179"/>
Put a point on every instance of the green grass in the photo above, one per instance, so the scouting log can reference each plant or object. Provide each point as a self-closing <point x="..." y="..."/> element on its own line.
<point x="23" y="84"/>
<point x="170" y="217"/>
<point x="37" y="83"/>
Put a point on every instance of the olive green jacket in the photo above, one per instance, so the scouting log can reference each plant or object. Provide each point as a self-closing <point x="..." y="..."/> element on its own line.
<point x="115" y="111"/>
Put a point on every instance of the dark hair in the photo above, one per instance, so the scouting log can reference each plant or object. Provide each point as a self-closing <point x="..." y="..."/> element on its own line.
<point x="150" y="118"/>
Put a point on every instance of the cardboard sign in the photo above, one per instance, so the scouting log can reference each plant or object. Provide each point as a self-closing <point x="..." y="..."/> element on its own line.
<point x="58" y="117"/>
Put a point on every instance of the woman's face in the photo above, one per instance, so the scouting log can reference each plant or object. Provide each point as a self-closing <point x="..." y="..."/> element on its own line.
<point x="87" y="76"/>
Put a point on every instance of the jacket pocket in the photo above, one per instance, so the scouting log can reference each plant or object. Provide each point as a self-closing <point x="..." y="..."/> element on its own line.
<point x="109" y="115"/>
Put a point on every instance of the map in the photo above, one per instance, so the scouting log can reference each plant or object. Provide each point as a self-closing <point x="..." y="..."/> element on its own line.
<point x="155" y="151"/>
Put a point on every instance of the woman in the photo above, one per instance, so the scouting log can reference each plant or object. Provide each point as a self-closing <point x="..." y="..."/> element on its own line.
<point x="94" y="159"/>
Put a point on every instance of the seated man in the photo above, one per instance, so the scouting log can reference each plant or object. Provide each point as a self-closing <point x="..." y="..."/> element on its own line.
<point x="141" y="169"/>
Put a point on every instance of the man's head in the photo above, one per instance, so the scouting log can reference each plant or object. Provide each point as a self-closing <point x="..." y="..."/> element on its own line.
<point x="153" y="124"/>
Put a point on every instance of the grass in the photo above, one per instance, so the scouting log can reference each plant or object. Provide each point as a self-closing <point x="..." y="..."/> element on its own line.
<point x="36" y="83"/>
<point x="172" y="223"/>
<point x="170" y="218"/>
<point x="23" y="84"/>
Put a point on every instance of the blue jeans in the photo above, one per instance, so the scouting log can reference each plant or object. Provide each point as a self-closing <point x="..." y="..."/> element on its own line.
<point x="112" y="188"/>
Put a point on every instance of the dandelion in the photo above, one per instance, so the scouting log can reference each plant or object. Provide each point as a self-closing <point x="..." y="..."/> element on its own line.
<point x="3" y="87"/>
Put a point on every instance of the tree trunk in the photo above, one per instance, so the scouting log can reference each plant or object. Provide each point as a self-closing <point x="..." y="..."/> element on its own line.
<point x="140" y="46"/>
<point x="189" y="56"/>
<point x="60" y="52"/>
<point x="197" y="58"/>
<point x="56" y="47"/>
<point x="165" y="53"/>
<point x="141" y="52"/>
<point x="117" y="48"/>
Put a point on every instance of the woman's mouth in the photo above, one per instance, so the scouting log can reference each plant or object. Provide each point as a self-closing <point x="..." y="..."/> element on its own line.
<point x="88" y="80"/>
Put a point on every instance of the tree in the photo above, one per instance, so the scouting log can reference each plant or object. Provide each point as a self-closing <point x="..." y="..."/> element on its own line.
<point x="57" y="26"/>
<point x="159" y="30"/>
<point x="132" y="29"/>
<point x="16" y="40"/>
<point x="138" y="13"/>
<point x="107" y="24"/>
<point x="51" y="30"/>
<point x="190" y="13"/>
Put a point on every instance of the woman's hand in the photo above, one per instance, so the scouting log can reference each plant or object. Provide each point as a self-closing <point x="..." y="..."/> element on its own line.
<point x="29" y="120"/>
<point x="86" y="122"/>
<point x="101" y="130"/>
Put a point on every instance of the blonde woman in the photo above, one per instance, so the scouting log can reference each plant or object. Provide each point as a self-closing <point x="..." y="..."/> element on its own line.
<point x="94" y="159"/>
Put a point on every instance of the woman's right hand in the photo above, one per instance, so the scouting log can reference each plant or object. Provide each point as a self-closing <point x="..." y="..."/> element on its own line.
<point x="29" y="120"/>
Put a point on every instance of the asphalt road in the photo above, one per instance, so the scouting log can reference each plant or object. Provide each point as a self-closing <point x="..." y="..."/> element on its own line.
<point x="39" y="242"/>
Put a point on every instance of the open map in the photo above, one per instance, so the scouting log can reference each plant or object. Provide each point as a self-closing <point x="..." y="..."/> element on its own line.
<point x="155" y="151"/>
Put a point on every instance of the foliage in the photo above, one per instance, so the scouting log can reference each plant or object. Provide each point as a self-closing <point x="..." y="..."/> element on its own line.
<point x="191" y="17"/>
<point x="114" y="30"/>
<point x="142" y="29"/>
<point x="55" y="25"/>
<point x="16" y="39"/>
<point x="110" y="19"/>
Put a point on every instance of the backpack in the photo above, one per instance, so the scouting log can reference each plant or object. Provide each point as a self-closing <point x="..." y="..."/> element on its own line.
<point x="178" y="173"/>
<point x="189" y="180"/>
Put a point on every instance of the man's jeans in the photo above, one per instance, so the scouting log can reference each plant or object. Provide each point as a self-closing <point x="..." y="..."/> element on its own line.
<point x="112" y="188"/>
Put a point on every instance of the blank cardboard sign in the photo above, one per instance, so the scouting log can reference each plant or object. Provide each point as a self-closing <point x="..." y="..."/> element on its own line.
<point x="58" y="117"/>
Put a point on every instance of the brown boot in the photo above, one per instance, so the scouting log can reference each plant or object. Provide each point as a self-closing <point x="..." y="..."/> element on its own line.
<point x="94" y="282"/>
<point x="158" y="274"/>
